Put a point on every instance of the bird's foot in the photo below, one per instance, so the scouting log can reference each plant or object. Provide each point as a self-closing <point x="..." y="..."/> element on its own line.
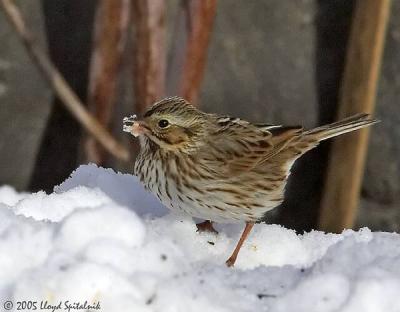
<point x="206" y="226"/>
<point x="231" y="261"/>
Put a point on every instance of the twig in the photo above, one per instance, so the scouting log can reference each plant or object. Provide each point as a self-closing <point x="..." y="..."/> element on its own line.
<point x="150" y="57"/>
<point x="60" y="86"/>
<point x="111" y="25"/>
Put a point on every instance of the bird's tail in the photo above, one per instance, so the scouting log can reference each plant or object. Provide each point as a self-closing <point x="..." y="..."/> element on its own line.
<point x="343" y="126"/>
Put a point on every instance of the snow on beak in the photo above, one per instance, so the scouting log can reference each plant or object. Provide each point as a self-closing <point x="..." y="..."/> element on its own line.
<point x="133" y="126"/>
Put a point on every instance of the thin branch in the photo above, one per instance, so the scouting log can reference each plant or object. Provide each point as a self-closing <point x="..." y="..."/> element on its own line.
<point x="150" y="56"/>
<point x="111" y="27"/>
<point x="59" y="85"/>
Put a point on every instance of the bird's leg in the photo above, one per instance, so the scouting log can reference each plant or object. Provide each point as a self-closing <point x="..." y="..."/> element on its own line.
<point x="231" y="261"/>
<point x="206" y="226"/>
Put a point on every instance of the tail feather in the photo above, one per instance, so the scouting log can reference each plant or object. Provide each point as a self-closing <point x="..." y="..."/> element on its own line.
<point x="343" y="126"/>
<point x="309" y="139"/>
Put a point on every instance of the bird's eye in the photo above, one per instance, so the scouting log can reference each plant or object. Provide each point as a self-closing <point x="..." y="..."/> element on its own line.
<point x="163" y="123"/>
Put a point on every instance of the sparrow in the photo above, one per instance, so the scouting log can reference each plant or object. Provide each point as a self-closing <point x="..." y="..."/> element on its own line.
<point x="220" y="168"/>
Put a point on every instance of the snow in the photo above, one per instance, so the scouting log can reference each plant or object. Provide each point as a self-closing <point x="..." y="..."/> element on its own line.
<point x="100" y="237"/>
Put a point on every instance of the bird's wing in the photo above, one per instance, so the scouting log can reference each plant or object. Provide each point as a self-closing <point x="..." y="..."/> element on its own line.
<point x="237" y="146"/>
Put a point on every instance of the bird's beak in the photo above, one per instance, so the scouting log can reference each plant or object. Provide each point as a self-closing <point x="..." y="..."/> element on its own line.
<point x="137" y="129"/>
<point x="133" y="126"/>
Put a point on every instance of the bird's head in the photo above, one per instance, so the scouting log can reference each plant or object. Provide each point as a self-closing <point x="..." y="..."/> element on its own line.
<point x="172" y="124"/>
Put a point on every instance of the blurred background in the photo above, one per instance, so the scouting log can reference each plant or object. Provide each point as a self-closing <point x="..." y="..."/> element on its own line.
<point x="265" y="61"/>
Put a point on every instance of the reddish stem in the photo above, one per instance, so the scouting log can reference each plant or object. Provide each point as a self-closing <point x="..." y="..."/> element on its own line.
<point x="149" y="65"/>
<point x="109" y="43"/>
<point x="199" y="18"/>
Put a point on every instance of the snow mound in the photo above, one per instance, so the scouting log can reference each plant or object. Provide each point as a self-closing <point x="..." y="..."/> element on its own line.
<point x="100" y="237"/>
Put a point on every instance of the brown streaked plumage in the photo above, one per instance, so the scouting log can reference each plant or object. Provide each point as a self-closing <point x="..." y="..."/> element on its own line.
<point x="220" y="168"/>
